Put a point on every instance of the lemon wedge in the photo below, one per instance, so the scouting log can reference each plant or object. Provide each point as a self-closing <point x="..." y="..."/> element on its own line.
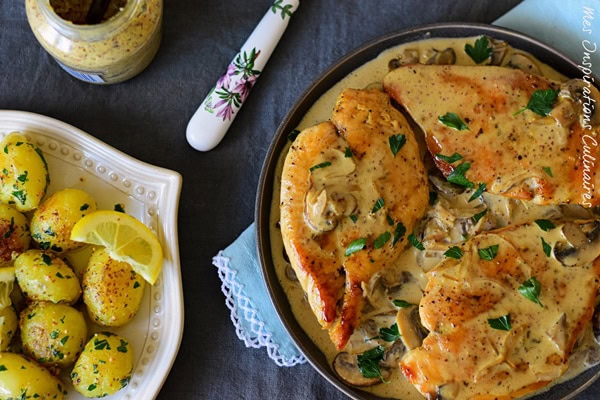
<point x="125" y="238"/>
<point x="7" y="282"/>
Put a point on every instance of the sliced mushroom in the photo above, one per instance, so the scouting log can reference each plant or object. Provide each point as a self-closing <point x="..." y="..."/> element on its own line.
<point x="581" y="244"/>
<point x="393" y="354"/>
<point x="408" y="56"/>
<point x="499" y="49"/>
<point x="323" y="209"/>
<point x="437" y="57"/>
<point x="409" y="325"/>
<point x="524" y="63"/>
<point x="586" y="98"/>
<point x="345" y="366"/>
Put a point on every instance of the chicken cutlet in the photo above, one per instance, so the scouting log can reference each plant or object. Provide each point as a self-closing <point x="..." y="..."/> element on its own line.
<point x="504" y="316"/>
<point x="513" y="133"/>
<point x="352" y="190"/>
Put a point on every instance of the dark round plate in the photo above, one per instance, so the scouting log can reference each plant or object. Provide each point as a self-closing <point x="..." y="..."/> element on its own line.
<point x="341" y="69"/>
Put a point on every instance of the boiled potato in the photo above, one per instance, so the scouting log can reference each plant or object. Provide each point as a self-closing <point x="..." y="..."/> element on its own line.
<point x="22" y="378"/>
<point x="8" y="326"/>
<point x="52" y="222"/>
<point x="14" y="234"/>
<point x="112" y="290"/>
<point x="43" y="276"/>
<point x="52" y="334"/>
<point x="104" y="367"/>
<point x="23" y="173"/>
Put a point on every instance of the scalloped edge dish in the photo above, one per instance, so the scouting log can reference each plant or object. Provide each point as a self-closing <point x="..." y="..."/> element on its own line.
<point x="149" y="193"/>
<point x="328" y="80"/>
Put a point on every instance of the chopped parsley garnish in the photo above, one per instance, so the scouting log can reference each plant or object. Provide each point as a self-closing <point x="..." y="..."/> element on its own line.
<point x="23" y="177"/>
<point x="540" y="102"/>
<point x="548" y="171"/>
<point x="382" y="240"/>
<point x="396" y="143"/>
<point x="458" y="176"/>
<point x="452" y="120"/>
<point x="353" y="217"/>
<point x="54" y="334"/>
<point x="454" y="252"/>
<point x="489" y="253"/>
<point x="479" y="215"/>
<point x="11" y="228"/>
<point x="320" y="165"/>
<point x="355" y="246"/>
<point x="348" y="152"/>
<point x="64" y="340"/>
<point x="547" y="248"/>
<point x="3" y="368"/>
<point x="481" y="51"/>
<point x="389" y="219"/>
<point x="402" y="303"/>
<point x="545" y="224"/>
<point x="101" y="344"/>
<point x="293" y="135"/>
<point x="378" y="205"/>
<point x="47" y="259"/>
<point x="136" y="285"/>
<point x="84" y="207"/>
<point x="398" y="233"/>
<point x="390" y="334"/>
<point x="531" y="289"/>
<point x="501" y="323"/>
<point x="123" y="347"/>
<point x="415" y="242"/>
<point x="449" y="159"/>
<point x="20" y="195"/>
<point x="478" y="192"/>
<point x="368" y="362"/>
<point x="119" y="208"/>
<point x="93" y="386"/>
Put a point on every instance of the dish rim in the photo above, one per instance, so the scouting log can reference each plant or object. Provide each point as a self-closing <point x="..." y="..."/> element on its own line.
<point x="337" y="71"/>
<point x="161" y="189"/>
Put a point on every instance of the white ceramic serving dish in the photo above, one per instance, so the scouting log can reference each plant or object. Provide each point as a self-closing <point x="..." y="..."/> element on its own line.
<point x="149" y="193"/>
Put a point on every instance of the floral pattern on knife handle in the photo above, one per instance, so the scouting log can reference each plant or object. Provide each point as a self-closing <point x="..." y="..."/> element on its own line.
<point x="212" y="119"/>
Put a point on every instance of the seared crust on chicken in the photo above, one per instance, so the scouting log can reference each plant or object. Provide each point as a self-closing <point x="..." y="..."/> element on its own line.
<point x="352" y="190"/>
<point x="515" y="152"/>
<point x="504" y="317"/>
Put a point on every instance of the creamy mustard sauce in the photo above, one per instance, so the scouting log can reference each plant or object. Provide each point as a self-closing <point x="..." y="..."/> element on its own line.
<point x="116" y="49"/>
<point x="449" y="221"/>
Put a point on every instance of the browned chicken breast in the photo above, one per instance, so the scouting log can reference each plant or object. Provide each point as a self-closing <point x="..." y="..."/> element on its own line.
<point x="520" y="135"/>
<point x="352" y="190"/>
<point x="505" y="314"/>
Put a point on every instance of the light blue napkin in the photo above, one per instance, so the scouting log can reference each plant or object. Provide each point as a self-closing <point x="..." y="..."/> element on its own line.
<point x="563" y="24"/>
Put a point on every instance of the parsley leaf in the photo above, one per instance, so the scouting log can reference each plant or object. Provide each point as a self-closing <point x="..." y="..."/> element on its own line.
<point x="547" y="248"/>
<point x="548" y="171"/>
<point x="402" y="303"/>
<point x="452" y="120"/>
<point x="479" y="215"/>
<point x="348" y="152"/>
<point x="500" y="323"/>
<point x="478" y="192"/>
<point x="540" y="102"/>
<point x="390" y="334"/>
<point x="449" y="159"/>
<point x="398" y="233"/>
<point x="489" y="253"/>
<point x="458" y="176"/>
<point x="378" y="205"/>
<point x="355" y="246"/>
<point x="531" y="289"/>
<point x="368" y="362"/>
<point x="320" y="165"/>
<point x="353" y="217"/>
<point x="454" y="252"/>
<point x="545" y="224"/>
<point x="415" y="242"/>
<point x="481" y="51"/>
<point x="382" y="239"/>
<point x="396" y="143"/>
<point x="293" y="135"/>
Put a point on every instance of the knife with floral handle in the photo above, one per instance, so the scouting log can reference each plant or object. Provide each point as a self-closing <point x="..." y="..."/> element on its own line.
<point x="211" y="120"/>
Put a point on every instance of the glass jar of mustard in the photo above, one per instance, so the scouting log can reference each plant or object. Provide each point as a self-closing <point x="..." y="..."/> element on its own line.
<point x="104" y="47"/>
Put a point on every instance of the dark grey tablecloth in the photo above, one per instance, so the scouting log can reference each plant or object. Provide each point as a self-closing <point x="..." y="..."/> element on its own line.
<point x="146" y="118"/>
